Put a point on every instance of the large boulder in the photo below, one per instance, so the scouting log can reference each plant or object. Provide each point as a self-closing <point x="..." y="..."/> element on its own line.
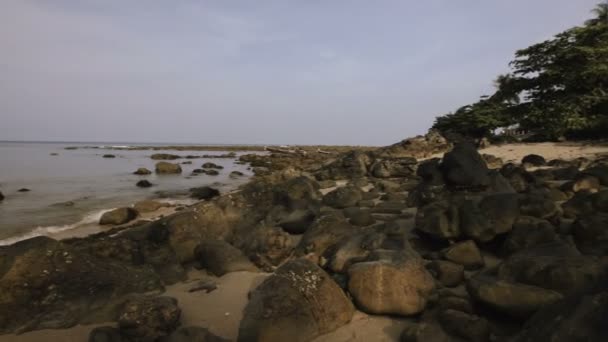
<point x="393" y="168"/>
<point x="296" y="193"/>
<point x="464" y="253"/>
<point x="118" y="216"/>
<point x="515" y="299"/>
<point x="418" y="147"/>
<point x="204" y="193"/>
<point x="167" y="168"/>
<point x="185" y="229"/>
<point x="528" y="232"/>
<point x="343" y="197"/>
<point x="492" y="216"/>
<point x="390" y="289"/>
<point x="266" y="246"/>
<point x="62" y="286"/>
<point x="325" y="232"/>
<point x="297" y="303"/>
<point x="439" y="220"/>
<point x="591" y="234"/>
<point x="465" y="325"/>
<point x="448" y="273"/>
<point x="220" y="258"/>
<point x="148" y="319"/>
<point x="463" y="167"/>
<point x="350" y="165"/>
<point x="549" y="266"/>
<point x="578" y="318"/>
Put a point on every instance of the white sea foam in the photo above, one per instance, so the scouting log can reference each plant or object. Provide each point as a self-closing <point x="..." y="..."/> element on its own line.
<point x="92" y="217"/>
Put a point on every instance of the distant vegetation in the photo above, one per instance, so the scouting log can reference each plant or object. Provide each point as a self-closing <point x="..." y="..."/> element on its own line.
<point x="557" y="88"/>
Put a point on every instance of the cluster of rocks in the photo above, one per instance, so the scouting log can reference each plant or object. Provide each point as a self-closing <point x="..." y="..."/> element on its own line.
<point x="463" y="251"/>
<point x="167" y="156"/>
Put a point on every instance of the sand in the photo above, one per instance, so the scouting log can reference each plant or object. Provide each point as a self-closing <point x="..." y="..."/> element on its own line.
<point x="549" y="150"/>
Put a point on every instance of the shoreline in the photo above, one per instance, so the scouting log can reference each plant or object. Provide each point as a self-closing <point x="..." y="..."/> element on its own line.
<point x="222" y="309"/>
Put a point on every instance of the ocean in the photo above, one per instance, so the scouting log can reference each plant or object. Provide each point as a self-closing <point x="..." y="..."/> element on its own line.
<point x="74" y="187"/>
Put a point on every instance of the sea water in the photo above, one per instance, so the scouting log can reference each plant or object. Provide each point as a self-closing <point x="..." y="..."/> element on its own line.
<point x="76" y="186"/>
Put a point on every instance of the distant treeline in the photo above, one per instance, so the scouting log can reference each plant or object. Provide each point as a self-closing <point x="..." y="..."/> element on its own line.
<point x="556" y="89"/>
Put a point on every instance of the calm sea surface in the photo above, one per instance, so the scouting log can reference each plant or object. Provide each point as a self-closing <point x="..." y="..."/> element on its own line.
<point x="94" y="184"/>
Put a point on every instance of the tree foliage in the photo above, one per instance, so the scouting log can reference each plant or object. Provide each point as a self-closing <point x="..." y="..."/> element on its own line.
<point x="557" y="87"/>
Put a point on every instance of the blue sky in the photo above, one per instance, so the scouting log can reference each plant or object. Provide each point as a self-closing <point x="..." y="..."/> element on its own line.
<point x="285" y="72"/>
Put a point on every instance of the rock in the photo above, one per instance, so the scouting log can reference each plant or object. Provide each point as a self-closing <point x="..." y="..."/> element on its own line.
<point x="236" y="174"/>
<point x="533" y="160"/>
<point x="446" y="272"/>
<point x="515" y="299"/>
<point x="118" y="216"/>
<point x="352" y="250"/>
<point x="393" y="168"/>
<point x="538" y="206"/>
<point x="147" y="206"/>
<point x="325" y="232"/>
<point x="430" y="172"/>
<point x="528" y="232"/>
<point x="343" y="197"/>
<point x="297" y="221"/>
<point x="193" y="334"/>
<point x="297" y="193"/>
<point x="424" y="332"/>
<point x="347" y="166"/>
<point x="106" y="334"/>
<point x="148" y="318"/>
<point x="54" y="154"/>
<point x="383" y="288"/>
<point x="591" y="234"/>
<point x="167" y="168"/>
<point x="164" y="156"/>
<point x="211" y="172"/>
<point x="142" y="171"/>
<point x="463" y="167"/>
<point x="62" y="285"/>
<point x="204" y="193"/>
<point x="565" y="173"/>
<point x="210" y="165"/>
<point x="580" y="318"/>
<point x="417" y="147"/>
<point x="517" y="176"/>
<point x="582" y="183"/>
<point x="108" y="156"/>
<point x="143" y="184"/>
<point x="297" y="303"/>
<point x="24" y="190"/>
<point x="600" y="172"/>
<point x="544" y="266"/>
<point x="439" y="220"/>
<point x="361" y="217"/>
<point x="1" y="196"/>
<point x="220" y="258"/>
<point x="266" y="246"/>
<point x="464" y="253"/>
<point x="494" y="215"/>
<point x="470" y="327"/>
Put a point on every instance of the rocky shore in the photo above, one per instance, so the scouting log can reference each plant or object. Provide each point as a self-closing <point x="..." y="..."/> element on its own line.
<point x="422" y="240"/>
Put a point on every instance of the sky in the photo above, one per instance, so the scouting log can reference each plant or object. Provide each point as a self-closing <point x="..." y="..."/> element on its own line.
<point x="347" y="72"/>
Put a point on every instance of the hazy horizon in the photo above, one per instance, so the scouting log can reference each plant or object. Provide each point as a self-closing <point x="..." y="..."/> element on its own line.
<point x="270" y="72"/>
